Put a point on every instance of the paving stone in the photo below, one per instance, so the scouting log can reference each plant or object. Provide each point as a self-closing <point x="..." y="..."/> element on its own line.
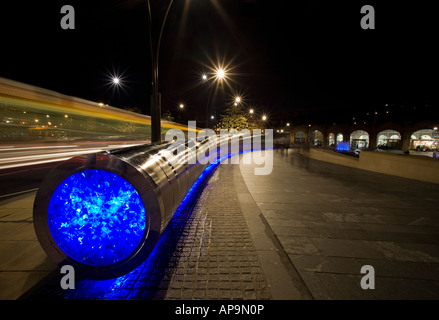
<point x="332" y="220"/>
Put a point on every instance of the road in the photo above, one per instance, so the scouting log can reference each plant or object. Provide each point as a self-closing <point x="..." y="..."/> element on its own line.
<point x="24" y="166"/>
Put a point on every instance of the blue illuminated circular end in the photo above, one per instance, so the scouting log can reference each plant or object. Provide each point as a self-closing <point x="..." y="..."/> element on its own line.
<point x="96" y="217"/>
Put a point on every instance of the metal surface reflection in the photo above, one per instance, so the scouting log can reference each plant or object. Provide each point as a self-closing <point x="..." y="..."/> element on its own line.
<point x="161" y="174"/>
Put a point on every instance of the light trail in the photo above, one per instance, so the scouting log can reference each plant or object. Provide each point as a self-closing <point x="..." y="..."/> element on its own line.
<point x="13" y="161"/>
<point x="13" y="148"/>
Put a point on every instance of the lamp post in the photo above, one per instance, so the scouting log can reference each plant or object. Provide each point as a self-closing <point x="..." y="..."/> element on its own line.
<point x="156" y="129"/>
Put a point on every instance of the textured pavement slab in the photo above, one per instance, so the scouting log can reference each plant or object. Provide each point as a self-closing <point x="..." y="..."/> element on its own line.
<point x="332" y="220"/>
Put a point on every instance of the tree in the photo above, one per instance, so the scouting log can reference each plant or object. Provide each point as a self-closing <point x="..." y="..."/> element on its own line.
<point x="167" y="116"/>
<point x="234" y="118"/>
<point x="255" y="122"/>
<point x="132" y="109"/>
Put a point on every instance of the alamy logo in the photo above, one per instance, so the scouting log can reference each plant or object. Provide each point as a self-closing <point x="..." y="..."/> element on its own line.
<point x="68" y="20"/>
<point x="368" y="280"/>
<point x="229" y="143"/>
<point x="67" y="281"/>
<point x="368" y="20"/>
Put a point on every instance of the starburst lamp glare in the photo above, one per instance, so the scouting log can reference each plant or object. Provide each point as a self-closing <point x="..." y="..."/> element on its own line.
<point x="220" y="73"/>
<point x="116" y="81"/>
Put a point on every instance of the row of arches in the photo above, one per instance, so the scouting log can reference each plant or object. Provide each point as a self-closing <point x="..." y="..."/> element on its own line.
<point x="386" y="139"/>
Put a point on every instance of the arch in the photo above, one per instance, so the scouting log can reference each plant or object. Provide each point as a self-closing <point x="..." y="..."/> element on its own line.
<point x="299" y="137"/>
<point x="424" y="139"/>
<point x="389" y="139"/>
<point x="316" y="138"/>
<point x="359" y="139"/>
<point x="390" y="126"/>
<point x="339" y="137"/>
<point x="422" y="125"/>
<point x="332" y="139"/>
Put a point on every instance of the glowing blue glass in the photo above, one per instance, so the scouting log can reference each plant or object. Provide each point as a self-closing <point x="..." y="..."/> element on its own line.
<point x="96" y="217"/>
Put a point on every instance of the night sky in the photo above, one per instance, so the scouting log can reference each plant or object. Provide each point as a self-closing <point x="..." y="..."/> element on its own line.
<point x="294" y="60"/>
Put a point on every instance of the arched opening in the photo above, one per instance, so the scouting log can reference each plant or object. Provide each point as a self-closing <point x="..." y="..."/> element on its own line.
<point x="425" y="140"/>
<point x="331" y="140"/>
<point x="389" y="139"/>
<point x="339" y="137"/>
<point x="299" y="137"/>
<point x="316" y="138"/>
<point x="359" y="139"/>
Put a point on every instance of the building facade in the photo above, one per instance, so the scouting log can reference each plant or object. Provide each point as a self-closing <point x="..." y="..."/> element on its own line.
<point x="395" y="136"/>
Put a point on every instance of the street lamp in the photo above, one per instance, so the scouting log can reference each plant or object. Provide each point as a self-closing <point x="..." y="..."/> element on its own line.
<point x="220" y="74"/>
<point x="156" y="130"/>
<point x="252" y="111"/>
<point x="181" y="105"/>
<point x="264" y="118"/>
<point x="116" y="81"/>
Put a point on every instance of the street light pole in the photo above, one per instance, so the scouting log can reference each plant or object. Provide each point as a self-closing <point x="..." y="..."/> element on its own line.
<point x="156" y="130"/>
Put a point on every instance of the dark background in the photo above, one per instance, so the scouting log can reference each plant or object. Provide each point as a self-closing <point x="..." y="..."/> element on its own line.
<point x="301" y="61"/>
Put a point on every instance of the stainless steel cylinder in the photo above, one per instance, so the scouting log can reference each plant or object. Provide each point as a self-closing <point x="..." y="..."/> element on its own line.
<point x="103" y="213"/>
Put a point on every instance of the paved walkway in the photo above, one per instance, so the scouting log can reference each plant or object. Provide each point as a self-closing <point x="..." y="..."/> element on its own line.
<point x="302" y="232"/>
<point x="332" y="220"/>
<point x="22" y="261"/>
